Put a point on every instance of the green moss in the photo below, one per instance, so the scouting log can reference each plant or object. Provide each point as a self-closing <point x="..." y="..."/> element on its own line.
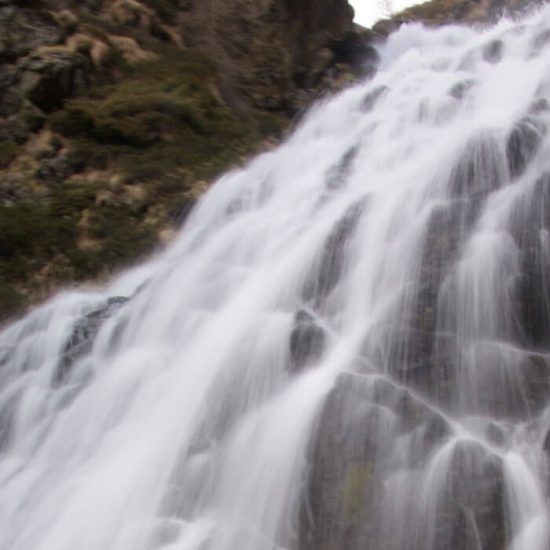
<point x="26" y="230"/>
<point x="72" y="122"/>
<point x="8" y="151"/>
<point x="358" y="478"/>
<point x="162" y="126"/>
<point x="160" y="119"/>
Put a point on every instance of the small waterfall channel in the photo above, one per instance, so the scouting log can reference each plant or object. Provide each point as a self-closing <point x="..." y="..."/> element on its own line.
<point x="347" y="347"/>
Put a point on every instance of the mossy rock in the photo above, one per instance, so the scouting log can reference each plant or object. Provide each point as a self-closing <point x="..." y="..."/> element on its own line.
<point x="356" y="485"/>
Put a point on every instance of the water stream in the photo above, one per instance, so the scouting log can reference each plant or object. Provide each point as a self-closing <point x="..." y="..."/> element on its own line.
<point x="347" y="347"/>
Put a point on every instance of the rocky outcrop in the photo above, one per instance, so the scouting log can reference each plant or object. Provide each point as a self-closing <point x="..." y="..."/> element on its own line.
<point x="269" y="50"/>
<point x="115" y="114"/>
<point x="83" y="336"/>
<point x="445" y="12"/>
<point x="350" y="458"/>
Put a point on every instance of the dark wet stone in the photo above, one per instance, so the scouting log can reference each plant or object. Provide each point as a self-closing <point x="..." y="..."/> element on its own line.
<point x="307" y="341"/>
<point x="338" y="175"/>
<point x="530" y="224"/>
<point x="47" y="81"/>
<point x="523" y="143"/>
<point x="479" y="170"/>
<point x="538" y="106"/>
<point x="419" y="348"/>
<point x="361" y="421"/>
<point x="535" y="383"/>
<point x="83" y="336"/>
<point x="372" y="98"/>
<point x="471" y="512"/>
<point x="355" y="49"/>
<point x="57" y="168"/>
<point x="460" y="89"/>
<point x="493" y="51"/>
<point x="329" y="271"/>
<point x="7" y="414"/>
<point x="541" y="41"/>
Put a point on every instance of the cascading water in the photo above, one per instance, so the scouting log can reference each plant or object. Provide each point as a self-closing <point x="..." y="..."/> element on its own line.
<point x="347" y="348"/>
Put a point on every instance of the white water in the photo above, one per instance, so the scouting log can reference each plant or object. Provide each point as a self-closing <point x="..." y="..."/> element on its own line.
<point x="409" y="241"/>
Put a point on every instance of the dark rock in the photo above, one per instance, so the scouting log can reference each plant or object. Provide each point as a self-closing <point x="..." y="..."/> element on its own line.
<point x="460" y="89"/>
<point x="10" y="102"/>
<point x="436" y="13"/>
<point x="8" y="151"/>
<point x="479" y="170"/>
<point x="493" y="51"/>
<point x="538" y="106"/>
<point x="529" y="226"/>
<point x="44" y="153"/>
<point x="470" y="511"/>
<point x="57" y="168"/>
<point x="354" y="445"/>
<point x="338" y="175"/>
<point x="419" y="347"/>
<point x="356" y="49"/>
<point x="373" y="97"/>
<point x="13" y="129"/>
<point x="523" y="143"/>
<point x="541" y="41"/>
<point x="307" y="341"/>
<point x="268" y="50"/>
<point x="328" y="272"/>
<point x="83" y="336"/>
<point x="49" y="78"/>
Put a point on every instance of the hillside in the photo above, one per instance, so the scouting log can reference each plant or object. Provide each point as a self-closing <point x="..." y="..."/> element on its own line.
<point x="115" y="115"/>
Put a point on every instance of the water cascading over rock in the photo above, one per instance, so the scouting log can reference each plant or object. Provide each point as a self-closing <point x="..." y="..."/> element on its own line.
<point x="347" y="348"/>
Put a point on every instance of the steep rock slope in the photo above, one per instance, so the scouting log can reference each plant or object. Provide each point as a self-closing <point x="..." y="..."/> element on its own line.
<point x="115" y="115"/>
<point x="445" y="12"/>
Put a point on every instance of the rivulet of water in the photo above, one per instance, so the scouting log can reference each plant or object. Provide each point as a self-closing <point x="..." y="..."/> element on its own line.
<point x="347" y="347"/>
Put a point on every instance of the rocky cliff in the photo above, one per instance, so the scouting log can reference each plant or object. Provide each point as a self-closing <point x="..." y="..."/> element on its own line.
<point x="471" y="12"/>
<point x="115" y="115"/>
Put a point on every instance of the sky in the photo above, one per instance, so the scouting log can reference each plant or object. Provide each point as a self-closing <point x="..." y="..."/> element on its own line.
<point x="366" y="10"/>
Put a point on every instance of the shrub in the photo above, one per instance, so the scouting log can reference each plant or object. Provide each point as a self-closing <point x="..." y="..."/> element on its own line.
<point x="8" y="151"/>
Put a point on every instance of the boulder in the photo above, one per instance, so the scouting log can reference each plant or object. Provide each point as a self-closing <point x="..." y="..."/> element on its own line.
<point x="307" y="341"/>
<point x="352" y="454"/>
<point x="51" y="75"/>
<point x="329" y="268"/>
<point x="82" y="338"/>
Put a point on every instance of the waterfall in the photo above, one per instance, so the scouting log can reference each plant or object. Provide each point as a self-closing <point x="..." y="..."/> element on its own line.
<point x="346" y="348"/>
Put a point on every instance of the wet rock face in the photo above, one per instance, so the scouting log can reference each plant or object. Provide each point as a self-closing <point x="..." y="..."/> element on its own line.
<point x="331" y="258"/>
<point x="83" y="336"/>
<point x="307" y="341"/>
<point x="368" y="429"/>
<point x="531" y="223"/>
<point x="351" y="456"/>
<point x="372" y="98"/>
<point x="471" y="515"/>
<point x="523" y="143"/>
<point x="420" y="345"/>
